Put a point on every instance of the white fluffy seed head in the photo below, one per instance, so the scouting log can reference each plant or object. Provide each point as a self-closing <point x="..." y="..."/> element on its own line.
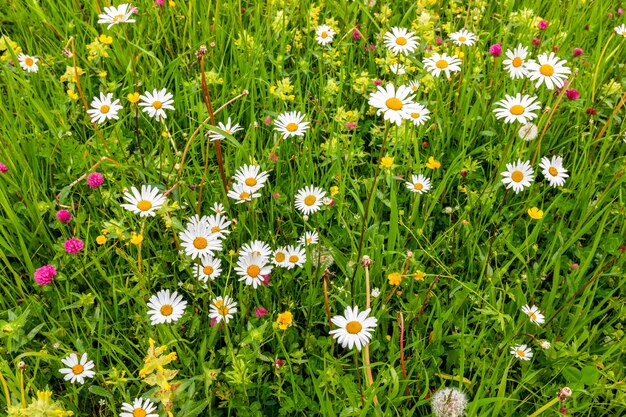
<point x="449" y="402"/>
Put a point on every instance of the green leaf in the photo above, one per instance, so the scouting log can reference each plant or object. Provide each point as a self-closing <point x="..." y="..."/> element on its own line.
<point x="98" y="390"/>
<point x="589" y="375"/>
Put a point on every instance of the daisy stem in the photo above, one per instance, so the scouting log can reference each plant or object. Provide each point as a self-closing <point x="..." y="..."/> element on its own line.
<point x="595" y="73"/>
<point x="367" y="206"/>
<point x="400" y="320"/>
<point x="366" y="352"/>
<point x="545" y="407"/>
<point x="556" y="105"/>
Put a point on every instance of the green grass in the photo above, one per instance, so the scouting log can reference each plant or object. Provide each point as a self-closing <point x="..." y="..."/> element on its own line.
<point x="483" y="256"/>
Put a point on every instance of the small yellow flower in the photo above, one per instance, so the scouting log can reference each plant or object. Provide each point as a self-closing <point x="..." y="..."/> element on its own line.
<point x="419" y="275"/>
<point x="72" y="95"/>
<point x="394" y="278"/>
<point x="334" y="190"/>
<point x="386" y="161"/>
<point x="388" y="337"/>
<point x="165" y="134"/>
<point x="107" y="40"/>
<point x="284" y="320"/>
<point x="136" y="239"/>
<point x="535" y="213"/>
<point x="133" y="97"/>
<point x="101" y="240"/>
<point x="172" y="3"/>
<point x="433" y="163"/>
<point x="103" y="74"/>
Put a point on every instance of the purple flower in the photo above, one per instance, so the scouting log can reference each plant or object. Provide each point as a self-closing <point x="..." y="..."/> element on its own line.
<point x="95" y="179"/>
<point x="356" y="35"/>
<point x="577" y="52"/>
<point x="45" y="274"/>
<point x="536" y="41"/>
<point x="495" y="49"/>
<point x="542" y="25"/>
<point x="572" y="94"/>
<point x="438" y="40"/>
<point x="3" y="168"/>
<point x="64" y="216"/>
<point x="266" y="279"/>
<point x="73" y="245"/>
<point x="260" y="312"/>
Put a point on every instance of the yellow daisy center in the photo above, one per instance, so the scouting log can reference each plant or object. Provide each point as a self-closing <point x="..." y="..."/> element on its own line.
<point x="223" y="310"/>
<point x="462" y="38"/>
<point x="532" y="316"/>
<point x="517" y="62"/>
<point x="394" y="103"/>
<point x="309" y="240"/>
<point x="517" y="176"/>
<point x="208" y="270"/>
<point x="624" y="33"/>
<point x="415" y="115"/>
<point x="401" y="40"/>
<point x="292" y="127"/>
<point x="118" y="17"/>
<point x="309" y="200"/>
<point x="105" y="109"/>
<point x="280" y="257"/>
<point x="442" y="63"/>
<point x="144" y="205"/>
<point x="521" y="353"/>
<point x="353" y="327"/>
<point x="418" y="186"/>
<point x="253" y="271"/>
<point x="139" y="412"/>
<point x="553" y="171"/>
<point x="29" y="61"/>
<point x="517" y="109"/>
<point x="200" y="243"/>
<point x="250" y="182"/>
<point x="244" y="196"/>
<point x="78" y="369"/>
<point x="215" y="229"/>
<point x="157" y="105"/>
<point x="324" y="35"/>
<point x="166" y="310"/>
<point x="293" y="259"/>
<point x="546" y="69"/>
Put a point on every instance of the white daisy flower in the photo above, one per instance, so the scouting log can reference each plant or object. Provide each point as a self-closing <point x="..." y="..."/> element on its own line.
<point x="418" y="184"/>
<point x="324" y="34"/>
<point x="354" y="328"/>
<point x="309" y="238"/>
<point x="144" y="203"/>
<point x="548" y="69"/>
<point x="27" y="62"/>
<point x="439" y="63"/>
<point x="198" y="240"/>
<point x="528" y="132"/>
<point x="251" y="176"/>
<point x="229" y="128"/>
<point x="396" y="105"/>
<point x="463" y="37"/>
<point x="104" y="108"/>
<point x="156" y="103"/>
<point x="518" y="175"/>
<point x="77" y="370"/>
<point x="534" y="314"/>
<point x="414" y="86"/>
<point x="291" y="124"/>
<point x="241" y="193"/>
<point x="251" y="269"/>
<point x="621" y="30"/>
<point x="114" y="15"/>
<point x="309" y="199"/>
<point x="517" y="109"/>
<point x="296" y="256"/>
<point x="514" y="64"/>
<point x="279" y="257"/>
<point x="419" y="115"/>
<point x="397" y="69"/>
<point x="400" y="41"/>
<point x="553" y="170"/>
<point x="209" y="268"/>
<point x="139" y="408"/>
<point x="222" y="309"/>
<point x="218" y="208"/>
<point x="522" y="352"/>
<point x="218" y="225"/>
<point x="166" y="307"/>
<point x="256" y="248"/>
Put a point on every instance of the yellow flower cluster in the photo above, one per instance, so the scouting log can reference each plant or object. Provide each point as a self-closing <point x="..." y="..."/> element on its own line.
<point x="154" y="373"/>
<point x="5" y="44"/>
<point x="283" y="90"/>
<point x="99" y="47"/>
<point x="284" y="320"/>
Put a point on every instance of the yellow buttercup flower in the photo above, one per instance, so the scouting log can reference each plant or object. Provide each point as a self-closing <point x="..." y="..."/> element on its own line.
<point x="101" y="240"/>
<point x="419" y="275"/>
<point x="433" y="163"/>
<point x="284" y="320"/>
<point x="133" y="97"/>
<point x="136" y="239"/>
<point x="334" y="190"/>
<point x="535" y="213"/>
<point x="103" y="74"/>
<point x="107" y="40"/>
<point x="386" y="161"/>
<point x="72" y="95"/>
<point x="395" y="278"/>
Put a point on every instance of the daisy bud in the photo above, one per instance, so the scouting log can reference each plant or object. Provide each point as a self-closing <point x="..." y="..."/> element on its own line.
<point x="256" y="124"/>
<point x="577" y="52"/>
<point x="3" y="168"/>
<point x="542" y="25"/>
<point x="305" y="218"/>
<point x="366" y="261"/>
<point x="64" y="216"/>
<point x="495" y="50"/>
<point x="544" y="344"/>
<point x="449" y="402"/>
<point x="212" y="44"/>
<point x="572" y="94"/>
<point x="536" y="41"/>
<point x="56" y="345"/>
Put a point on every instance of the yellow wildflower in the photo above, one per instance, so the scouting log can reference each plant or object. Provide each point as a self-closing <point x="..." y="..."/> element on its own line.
<point x="433" y="163"/>
<point x="133" y="97"/>
<point x="101" y="240"/>
<point x="334" y="190"/>
<point x="103" y="74"/>
<point x="72" y="95"/>
<point x="284" y="320"/>
<point x="535" y="213"/>
<point x="386" y="161"/>
<point x="107" y="40"/>
<point x="419" y="275"/>
<point x="136" y="239"/>
<point x="70" y="74"/>
<point x="394" y="278"/>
